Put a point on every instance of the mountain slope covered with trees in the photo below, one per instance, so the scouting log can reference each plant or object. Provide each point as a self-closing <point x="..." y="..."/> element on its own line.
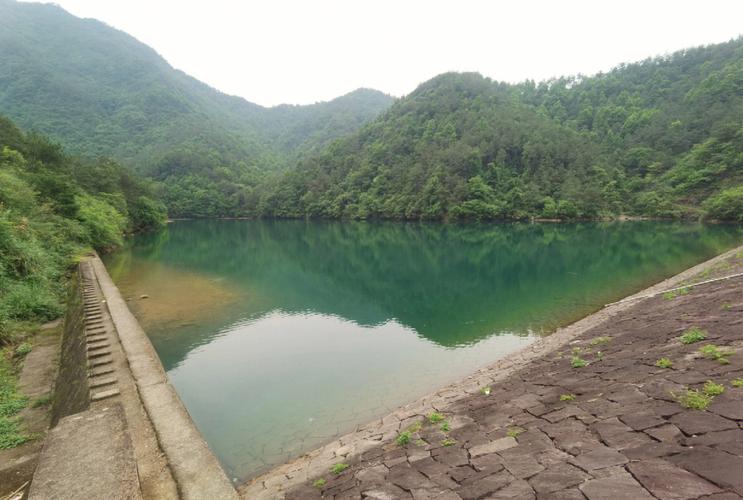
<point x="663" y="137"/>
<point x="100" y="92"/>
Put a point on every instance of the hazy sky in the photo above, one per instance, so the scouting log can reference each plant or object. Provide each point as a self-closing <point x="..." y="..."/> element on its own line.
<point x="303" y="51"/>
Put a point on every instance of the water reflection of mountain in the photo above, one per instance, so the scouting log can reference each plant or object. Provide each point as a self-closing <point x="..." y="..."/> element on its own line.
<point x="453" y="283"/>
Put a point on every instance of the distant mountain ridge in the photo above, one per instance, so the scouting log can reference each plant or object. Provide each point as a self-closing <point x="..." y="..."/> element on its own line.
<point x="101" y="92"/>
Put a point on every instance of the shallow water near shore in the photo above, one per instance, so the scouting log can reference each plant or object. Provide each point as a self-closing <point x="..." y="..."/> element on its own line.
<point x="280" y="335"/>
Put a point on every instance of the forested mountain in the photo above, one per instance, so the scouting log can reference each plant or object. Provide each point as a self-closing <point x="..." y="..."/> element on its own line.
<point x="663" y="137"/>
<point x="99" y="91"/>
<point x="52" y="207"/>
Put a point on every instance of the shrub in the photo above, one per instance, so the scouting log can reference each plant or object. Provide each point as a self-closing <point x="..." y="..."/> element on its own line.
<point x="726" y="205"/>
<point x="105" y="225"/>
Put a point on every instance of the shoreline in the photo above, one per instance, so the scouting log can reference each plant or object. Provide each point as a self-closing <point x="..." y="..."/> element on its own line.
<point x="526" y="220"/>
<point x="274" y="483"/>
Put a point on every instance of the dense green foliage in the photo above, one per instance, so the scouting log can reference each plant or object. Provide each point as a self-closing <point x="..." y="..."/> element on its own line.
<point x="662" y="138"/>
<point x="101" y="92"/>
<point x="52" y="207"/>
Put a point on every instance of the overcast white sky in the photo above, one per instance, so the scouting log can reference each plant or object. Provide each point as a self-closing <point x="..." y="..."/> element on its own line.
<point x="303" y="51"/>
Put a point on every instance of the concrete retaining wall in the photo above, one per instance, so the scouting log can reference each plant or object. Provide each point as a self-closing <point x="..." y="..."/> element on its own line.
<point x="71" y="393"/>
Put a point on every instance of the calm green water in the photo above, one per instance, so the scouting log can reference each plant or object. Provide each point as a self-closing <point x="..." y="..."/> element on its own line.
<point x="280" y="335"/>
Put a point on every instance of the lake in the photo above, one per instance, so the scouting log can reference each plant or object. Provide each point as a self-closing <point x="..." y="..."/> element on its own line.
<point x="281" y="335"/>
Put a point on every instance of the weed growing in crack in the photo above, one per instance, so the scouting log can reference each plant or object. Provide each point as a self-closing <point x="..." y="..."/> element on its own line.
<point x="515" y="431"/>
<point x="485" y="391"/>
<point x="403" y="438"/>
<point x="338" y="468"/>
<point x="692" y="335"/>
<point x="713" y="389"/>
<point x="600" y="341"/>
<point x="415" y="427"/>
<point x="445" y="426"/>
<point x="319" y="483"/>
<point x="578" y="362"/>
<point x="448" y="442"/>
<point x="694" y="399"/>
<point x="664" y="363"/>
<point x="711" y="351"/>
<point x="567" y="397"/>
<point x="737" y="382"/>
<point x="435" y="417"/>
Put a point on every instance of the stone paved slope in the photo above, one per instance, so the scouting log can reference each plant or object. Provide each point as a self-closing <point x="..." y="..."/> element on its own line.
<point x="613" y="429"/>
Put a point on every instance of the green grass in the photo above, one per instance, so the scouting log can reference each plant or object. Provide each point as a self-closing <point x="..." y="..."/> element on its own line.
<point x="737" y="382"/>
<point x="42" y="401"/>
<point x="515" y="431"/>
<point x="448" y="442"/>
<point x="403" y="438"/>
<point x="567" y="397"/>
<point x="578" y="362"/>
<point x="675" y="293"/>
<point x="11" y="403"/>
<point x="23" y="349"/>
<point x="600" y="341"/>
<point x="319" y="483"/>
<point x="338" y="468"/>
<point x="445" y="427"/>
<point x="713" y="389"/>
<point x="693" y="335"/>
<point x="435" y="417"/>
<point x="721" y="355"/>
<point x="694" y="399"/>
<point x="664" y="363"/>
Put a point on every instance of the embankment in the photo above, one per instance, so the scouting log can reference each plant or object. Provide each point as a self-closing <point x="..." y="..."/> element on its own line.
<point x="583" y="412"/>
<point x="119" y="429"/>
